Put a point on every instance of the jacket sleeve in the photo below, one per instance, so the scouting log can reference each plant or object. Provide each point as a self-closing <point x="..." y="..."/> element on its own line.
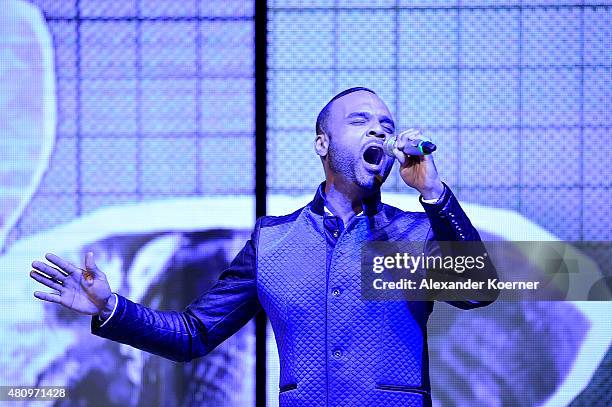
<point x="201" y="326"/>
<point x="449" y="223"/>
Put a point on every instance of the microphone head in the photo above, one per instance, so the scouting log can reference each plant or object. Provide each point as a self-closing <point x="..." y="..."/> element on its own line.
<point x="389" y="145"/>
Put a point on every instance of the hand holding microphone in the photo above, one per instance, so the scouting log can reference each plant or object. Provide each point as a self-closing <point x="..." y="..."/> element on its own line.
<point x="410" y="142"/>
<point x="417" y="168"/>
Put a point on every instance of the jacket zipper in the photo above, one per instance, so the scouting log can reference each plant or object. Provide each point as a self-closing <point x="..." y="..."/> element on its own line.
<point x="405" y="389"/>
<point x="287" y="387"/>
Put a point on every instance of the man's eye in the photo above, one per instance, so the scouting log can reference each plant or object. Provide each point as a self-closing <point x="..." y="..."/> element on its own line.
<point x="358" y="121"/>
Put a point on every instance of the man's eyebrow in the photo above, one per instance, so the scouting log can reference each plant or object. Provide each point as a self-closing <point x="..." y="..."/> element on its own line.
<point x="365" y="115"/>
<point x="386" y="119"/>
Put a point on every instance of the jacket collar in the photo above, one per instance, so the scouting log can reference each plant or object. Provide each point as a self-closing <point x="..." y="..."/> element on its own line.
<point x="370" y="205"/>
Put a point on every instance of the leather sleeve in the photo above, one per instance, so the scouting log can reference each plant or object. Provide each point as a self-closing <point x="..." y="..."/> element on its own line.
<point x="450" y="223"/>
<point x="201" y="326"/>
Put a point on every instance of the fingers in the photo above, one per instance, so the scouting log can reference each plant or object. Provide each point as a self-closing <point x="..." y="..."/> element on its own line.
<point x="46" y="281"/>
<point x="402" y="141"/>
<point x="89" y="262"/>
<point x="91" y="270"/>
<point x="65" y="266"/>
<point x="414" y="134"/>
<point x="410" y="134"/>
<point x="399" y="154"/>
<point x="56" y="298"/>
<point x="406" y="138"/>
<point x="49" y="270"/>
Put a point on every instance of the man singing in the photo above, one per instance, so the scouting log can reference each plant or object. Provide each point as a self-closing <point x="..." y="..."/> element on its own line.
<point x="303" y="270"/>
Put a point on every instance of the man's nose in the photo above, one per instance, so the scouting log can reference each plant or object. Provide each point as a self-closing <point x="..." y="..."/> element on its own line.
<point x="376" y="131"/>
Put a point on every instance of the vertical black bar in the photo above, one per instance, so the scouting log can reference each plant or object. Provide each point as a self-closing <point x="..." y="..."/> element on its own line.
<point x="261" y="102"/>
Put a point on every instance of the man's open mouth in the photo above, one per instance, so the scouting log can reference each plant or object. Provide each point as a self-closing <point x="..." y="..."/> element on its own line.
<point x="373" y="155"/>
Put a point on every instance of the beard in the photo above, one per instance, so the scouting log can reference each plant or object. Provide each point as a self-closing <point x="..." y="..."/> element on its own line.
<point x="341" y="162"/>
<point x="349" y="166"/>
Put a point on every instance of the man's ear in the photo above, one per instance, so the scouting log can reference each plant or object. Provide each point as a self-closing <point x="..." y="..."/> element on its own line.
<point x="321" y="144"/>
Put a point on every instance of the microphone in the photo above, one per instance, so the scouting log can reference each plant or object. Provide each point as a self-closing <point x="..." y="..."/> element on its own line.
<point x="413" y="147"/>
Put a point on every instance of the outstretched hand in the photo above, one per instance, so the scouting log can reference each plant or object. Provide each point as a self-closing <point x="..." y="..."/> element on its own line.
<point x="83" y="290"/>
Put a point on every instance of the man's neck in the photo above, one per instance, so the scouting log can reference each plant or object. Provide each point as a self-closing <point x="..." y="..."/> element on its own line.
<point x="344" y="199"/>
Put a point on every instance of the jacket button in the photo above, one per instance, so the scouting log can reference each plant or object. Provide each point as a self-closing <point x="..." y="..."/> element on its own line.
<point x="336" y="292"/>
<point x="451" y="215"/>
<point x="337" y="354"/>
<point x="461" y="236"/>
<point x="336" y="234"/>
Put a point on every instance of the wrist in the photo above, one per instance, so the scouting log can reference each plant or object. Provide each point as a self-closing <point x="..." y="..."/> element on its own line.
<point x="108" y="308"/>
<point x="433" y="192"/>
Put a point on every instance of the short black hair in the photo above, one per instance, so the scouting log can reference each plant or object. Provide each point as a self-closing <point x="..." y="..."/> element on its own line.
<point x="324" y="113"/>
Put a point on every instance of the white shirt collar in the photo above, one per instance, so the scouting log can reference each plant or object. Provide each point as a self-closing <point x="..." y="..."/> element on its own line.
<point x="328" y="212"/>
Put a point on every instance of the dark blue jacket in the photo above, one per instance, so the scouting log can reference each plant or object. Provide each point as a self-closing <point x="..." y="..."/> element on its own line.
<point x="303" y="269"/>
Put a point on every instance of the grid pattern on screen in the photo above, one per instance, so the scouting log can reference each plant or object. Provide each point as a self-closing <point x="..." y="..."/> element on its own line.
<point x="155" y="99"/>
<point x="517" y="94"/>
